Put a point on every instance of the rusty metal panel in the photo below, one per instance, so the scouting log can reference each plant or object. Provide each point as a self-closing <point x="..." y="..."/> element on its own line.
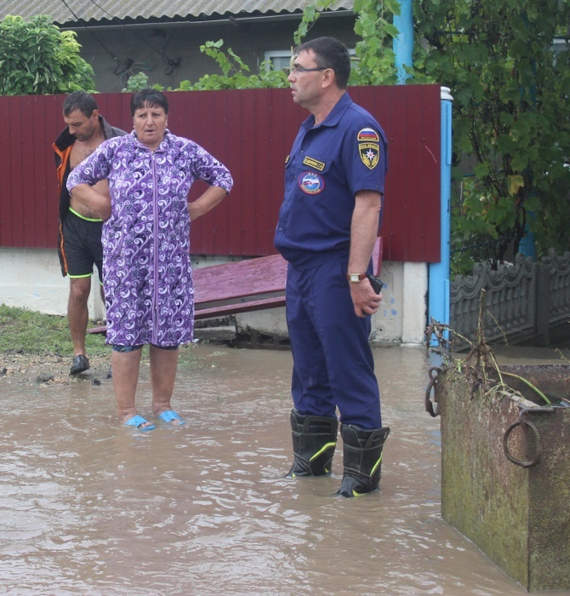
<point x="251" y="131"/>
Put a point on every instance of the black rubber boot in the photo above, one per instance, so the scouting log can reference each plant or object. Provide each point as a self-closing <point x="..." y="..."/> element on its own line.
<point x="362" y="459"/>
<point x="314" y="442"/>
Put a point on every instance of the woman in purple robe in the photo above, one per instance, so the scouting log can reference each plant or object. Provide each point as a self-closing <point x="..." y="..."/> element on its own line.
<point x="147" y="275"/>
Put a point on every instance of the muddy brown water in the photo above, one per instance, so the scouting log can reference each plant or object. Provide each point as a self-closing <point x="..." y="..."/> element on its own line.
<point x="90" y="507"/>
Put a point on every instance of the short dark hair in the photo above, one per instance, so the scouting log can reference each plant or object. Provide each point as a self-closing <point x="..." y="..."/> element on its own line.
<point x="150" y="97"/>
<point x="330" y="53"/>
<point x="79" y="100"/>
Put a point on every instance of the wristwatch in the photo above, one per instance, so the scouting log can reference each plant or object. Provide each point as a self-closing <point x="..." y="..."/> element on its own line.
<point x="354" y="278"/>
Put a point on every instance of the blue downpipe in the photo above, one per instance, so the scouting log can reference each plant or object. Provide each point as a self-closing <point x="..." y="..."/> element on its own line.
<point x="403" y="44"/>
<point x="439" y="282"/>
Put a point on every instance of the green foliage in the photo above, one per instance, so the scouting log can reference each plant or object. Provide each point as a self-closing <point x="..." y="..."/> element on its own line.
<point x="235" y="73"/>
<point x="28" y="332"/>
<point x="510" y="118"/>
<point x="311" y="13"/>
<point x="37" y="58"/>
<point x="136" y="82"/>
<point x="139" y="81"/>
<point x="375" y="56"/>
<point x="374" y="63"/>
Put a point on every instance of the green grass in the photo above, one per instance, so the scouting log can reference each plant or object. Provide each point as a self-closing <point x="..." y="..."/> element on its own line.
<point x="27" y="332"/>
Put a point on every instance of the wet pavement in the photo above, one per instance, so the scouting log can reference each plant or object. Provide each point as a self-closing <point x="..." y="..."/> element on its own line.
<point x="90" y="507"/>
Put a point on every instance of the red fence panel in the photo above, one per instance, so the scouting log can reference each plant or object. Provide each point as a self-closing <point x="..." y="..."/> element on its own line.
<point x="251" y="131"/>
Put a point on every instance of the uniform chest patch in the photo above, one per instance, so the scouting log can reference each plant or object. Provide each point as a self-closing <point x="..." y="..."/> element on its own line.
<point x="311" y="183"/>
<point x="368" y="147"/>
<point x="314" y="163"/>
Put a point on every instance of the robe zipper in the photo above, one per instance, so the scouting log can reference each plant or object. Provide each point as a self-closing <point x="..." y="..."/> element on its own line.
<point x="155" y="250"/>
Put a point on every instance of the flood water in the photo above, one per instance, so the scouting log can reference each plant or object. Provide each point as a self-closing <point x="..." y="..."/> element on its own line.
<point x="90" y="507"/>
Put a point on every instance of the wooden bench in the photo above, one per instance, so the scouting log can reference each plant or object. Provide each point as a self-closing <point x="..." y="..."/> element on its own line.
<point x="243" y="286"/>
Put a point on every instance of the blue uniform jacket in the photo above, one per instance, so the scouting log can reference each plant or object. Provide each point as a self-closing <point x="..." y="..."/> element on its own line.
<point x="327" y="166"/>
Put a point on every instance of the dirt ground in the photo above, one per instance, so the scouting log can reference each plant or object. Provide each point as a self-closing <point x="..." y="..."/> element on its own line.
<point x="49" y="369"/>
<point x="54" y="369"/>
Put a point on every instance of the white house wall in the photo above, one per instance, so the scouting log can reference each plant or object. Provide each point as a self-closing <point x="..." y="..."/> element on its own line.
<point x="31" y="278"/>
<point x="400" y="319"/>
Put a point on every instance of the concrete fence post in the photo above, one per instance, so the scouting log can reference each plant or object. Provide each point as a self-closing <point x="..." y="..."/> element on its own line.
<point x="542" y="315"/>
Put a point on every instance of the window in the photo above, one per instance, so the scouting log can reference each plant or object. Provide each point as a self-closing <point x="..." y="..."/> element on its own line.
<point x="279" y="59"/>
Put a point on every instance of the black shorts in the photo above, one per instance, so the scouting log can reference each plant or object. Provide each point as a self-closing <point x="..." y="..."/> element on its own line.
<point x="81" y="246"/>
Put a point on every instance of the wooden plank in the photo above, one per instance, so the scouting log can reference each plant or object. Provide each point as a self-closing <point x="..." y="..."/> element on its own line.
<point x="239" y="278"/>
<point x="238" y="307"/>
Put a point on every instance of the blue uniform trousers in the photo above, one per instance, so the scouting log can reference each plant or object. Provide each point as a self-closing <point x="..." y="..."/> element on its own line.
<point x="332" y="359"/>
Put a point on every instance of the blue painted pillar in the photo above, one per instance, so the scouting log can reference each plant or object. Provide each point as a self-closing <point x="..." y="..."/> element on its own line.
<point x="526" y="245"/>
<point x="403" y="44"/>
<point x="439" y="284"/>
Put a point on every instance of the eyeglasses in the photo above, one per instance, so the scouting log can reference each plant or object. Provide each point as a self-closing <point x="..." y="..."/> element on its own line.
<point x="297" y="68"/>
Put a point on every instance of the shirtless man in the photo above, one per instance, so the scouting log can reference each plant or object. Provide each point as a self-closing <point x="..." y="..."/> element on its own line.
<point x="79" y="243"/>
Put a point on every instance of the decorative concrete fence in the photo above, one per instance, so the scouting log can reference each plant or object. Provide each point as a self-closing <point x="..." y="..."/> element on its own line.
<point x="525" y="301"/>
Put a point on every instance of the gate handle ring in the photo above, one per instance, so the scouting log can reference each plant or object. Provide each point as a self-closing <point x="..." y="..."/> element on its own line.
<point x="432" y="408"/>
<point x="530" y="462"/>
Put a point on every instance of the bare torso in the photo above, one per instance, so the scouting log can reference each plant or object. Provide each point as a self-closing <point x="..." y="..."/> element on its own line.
<point x="79" y="151"/>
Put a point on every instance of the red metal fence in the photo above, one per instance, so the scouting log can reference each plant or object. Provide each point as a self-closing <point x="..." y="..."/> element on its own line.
<point x="251" y="131"/>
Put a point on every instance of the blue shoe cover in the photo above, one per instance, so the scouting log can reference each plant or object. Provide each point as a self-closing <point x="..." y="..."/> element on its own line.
<point x="139" y="422"/>
<point x="170" y="415"/>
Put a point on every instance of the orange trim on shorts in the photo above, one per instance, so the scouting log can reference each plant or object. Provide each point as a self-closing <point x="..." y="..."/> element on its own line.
<point x="61" y="250"/>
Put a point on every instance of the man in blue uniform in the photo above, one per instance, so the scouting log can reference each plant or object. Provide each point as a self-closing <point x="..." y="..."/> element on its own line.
<point x="328" y="223"/>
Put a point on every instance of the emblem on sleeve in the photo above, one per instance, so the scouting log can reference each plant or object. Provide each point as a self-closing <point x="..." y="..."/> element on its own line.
<point x="369" y="154"/>
<point x="367" y="135"/>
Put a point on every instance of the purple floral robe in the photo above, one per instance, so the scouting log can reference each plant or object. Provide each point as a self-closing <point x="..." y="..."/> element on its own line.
<point x="147" y="275"/>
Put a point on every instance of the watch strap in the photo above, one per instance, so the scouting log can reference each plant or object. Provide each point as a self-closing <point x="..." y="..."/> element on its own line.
<point x="355" y="277"/>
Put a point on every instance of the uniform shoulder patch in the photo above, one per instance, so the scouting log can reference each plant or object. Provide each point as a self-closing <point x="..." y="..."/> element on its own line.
<point x="367" y="135"/>
<point x="368" y="147"/>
